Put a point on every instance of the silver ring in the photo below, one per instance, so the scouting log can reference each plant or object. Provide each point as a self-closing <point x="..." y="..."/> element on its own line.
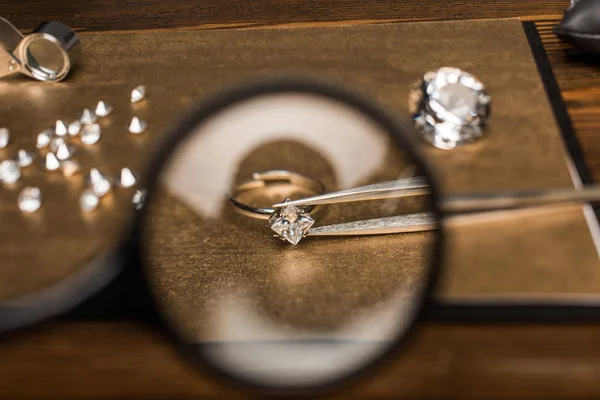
<point x="47" y="54"/>
<point x="289" y="223"/>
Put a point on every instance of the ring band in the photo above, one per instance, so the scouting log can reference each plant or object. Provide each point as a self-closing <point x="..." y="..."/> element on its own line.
<point x="263" y="179"/>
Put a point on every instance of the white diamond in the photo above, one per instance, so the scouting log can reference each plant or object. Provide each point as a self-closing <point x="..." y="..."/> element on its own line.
<point x="64" y="151"/>
<point x="103" y="109"/>
<point x="70" y="167"/>
<point x="51" y="163"/>
<point x="74" y="128"/>
<point x="138" y="93"/>
<point x="56" y="142"/>
<point x="44" y="138"/>
<point x="30" y="199"/>
<point x="90" y="134"/>
<point x="137" y="125"/>
<point x="4" y="137"/>
<point x="127" y="178"/>
<point x="60" y="129"/>
<point x="88" y="117"/>
<point x="24" y="158"/>
<point x="99" y="184"/>
<point x="88" y="201"/>
<point x="138" y="199"/>
<point x="291" y="223"/>
<point x="9" y="171"/>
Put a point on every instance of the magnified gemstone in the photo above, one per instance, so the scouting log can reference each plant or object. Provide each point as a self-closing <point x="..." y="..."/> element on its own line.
<point x="103" y="109"/>
<point x="24" y="158"/>
<point x="90" y="134"/>
<point x="60" y="128"/>
<point x="291" y="223"/>
<point x="51" y="162"/>
<point x="138" y="93"/>
<point x="88" y="201"/>
<point x="138" y="199"/>
<point x="137" y="125"/>
<point x="65" y="151"/>
<point x="4" y="137"/>
<point x="30" y="199"/>
<point x="9" y="171"/>
<point x="450" y="107"/>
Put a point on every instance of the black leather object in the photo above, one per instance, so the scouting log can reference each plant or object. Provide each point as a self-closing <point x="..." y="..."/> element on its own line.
<point x="581" y="26"/>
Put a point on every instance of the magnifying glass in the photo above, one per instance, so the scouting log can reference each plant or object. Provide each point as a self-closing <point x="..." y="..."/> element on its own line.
<point x="46" y="54"/>
<point x="260" y="310"/>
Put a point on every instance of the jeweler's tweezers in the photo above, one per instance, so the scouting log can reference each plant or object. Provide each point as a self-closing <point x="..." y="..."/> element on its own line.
<point x="477" y="203"/>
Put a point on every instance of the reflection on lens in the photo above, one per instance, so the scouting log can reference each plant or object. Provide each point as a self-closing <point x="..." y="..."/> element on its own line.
<point x="261" y="309"/>
<point x="44" y="57"/>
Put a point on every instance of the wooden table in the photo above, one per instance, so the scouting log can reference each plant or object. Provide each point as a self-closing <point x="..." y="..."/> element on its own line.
<point x="99" y="359"/>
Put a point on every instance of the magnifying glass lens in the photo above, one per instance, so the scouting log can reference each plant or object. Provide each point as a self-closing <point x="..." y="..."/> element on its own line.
<point x="262" y="310"/>
<point x="44" y="56"/>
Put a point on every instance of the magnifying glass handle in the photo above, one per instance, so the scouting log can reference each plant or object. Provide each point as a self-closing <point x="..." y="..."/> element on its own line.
<point x="10" y="37"/>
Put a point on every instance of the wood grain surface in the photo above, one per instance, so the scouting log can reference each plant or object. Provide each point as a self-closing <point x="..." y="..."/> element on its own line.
<point x="71" y="360"/>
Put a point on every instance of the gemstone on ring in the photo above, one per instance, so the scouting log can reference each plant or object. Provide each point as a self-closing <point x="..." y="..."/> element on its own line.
<point x="450" y="107"/>
<point x="291" y="223"/>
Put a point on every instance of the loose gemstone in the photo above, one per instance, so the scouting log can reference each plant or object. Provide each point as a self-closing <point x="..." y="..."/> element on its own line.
<point x="291" y="223"/>
<point x="56" y="142"/>
<point x="137" y="125"/>
<point x="74" y="128"/>
<point x="30" y="199"/>
<point x="138" y="199"/>
<point x="9" y="171"/>
<point x="138" y="93"/>
<point x="4" y="137"/>
<point x="70" y="167"/>
<point x="90" y="134"/>
<point x="44" y="139"/>
<point x="24" y="158"/>
<point x="60" y="129"/>
<point x="51" y="162"/>
<point x="103" y="109"/>
<point x="127" y="178"/>
<point x="88" y="201"/>
<point x="65" y="151"/>
<point x="88" y="117"/>
<point x="98" y="182"/>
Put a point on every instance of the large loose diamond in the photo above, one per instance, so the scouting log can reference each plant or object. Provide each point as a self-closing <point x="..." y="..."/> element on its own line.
<point x="291" y="223"/>
<point x="450" y="107"/>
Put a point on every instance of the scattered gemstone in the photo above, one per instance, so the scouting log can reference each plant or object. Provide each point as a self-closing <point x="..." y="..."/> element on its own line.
<point x="98" y="182"/>
<point x="44" y="139"/>
<point x="24" y="158"/>
<point x="88" y="201"/>
<point x="138" y="93"/>
<point x="127" y="178"/>
<point x="291" y="223"/>
<point x="65" y="151"/>
<point x="90" y="134"/>
<point x="74" y="128"/>
<point x="4" y="137"/>
<point x="88" y="117"/>
<point x="138" y="199"/>
<point x="51" y="163"/>
<point x="9" y="171"/>
<point x="60" y="129"/>
<point x="103" y="109"/>
<point x="56" y="142"/>
<point x="30" y="199"/>
<point x="137" y="125"/>
<point x="70" y="167"/>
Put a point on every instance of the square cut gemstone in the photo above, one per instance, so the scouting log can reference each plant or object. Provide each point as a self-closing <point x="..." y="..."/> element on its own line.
<point x="291" y="223"/>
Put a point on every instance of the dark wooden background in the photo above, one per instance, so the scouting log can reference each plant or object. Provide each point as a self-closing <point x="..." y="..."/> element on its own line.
<point x="69" y="360"/>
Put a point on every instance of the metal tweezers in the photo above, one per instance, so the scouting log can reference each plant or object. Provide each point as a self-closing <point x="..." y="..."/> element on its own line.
<point x="486" y="203"/>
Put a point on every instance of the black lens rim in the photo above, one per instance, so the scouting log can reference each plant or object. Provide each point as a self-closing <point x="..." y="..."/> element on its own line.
<point x="404" y="136"/>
